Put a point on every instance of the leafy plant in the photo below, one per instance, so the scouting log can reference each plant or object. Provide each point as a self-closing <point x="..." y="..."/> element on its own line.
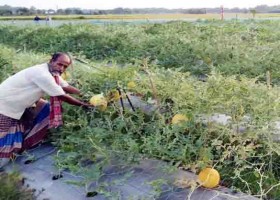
<point x="12" y="187"/>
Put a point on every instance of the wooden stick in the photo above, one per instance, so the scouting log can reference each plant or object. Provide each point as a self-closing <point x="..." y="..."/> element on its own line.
<point x="145" y="64"/>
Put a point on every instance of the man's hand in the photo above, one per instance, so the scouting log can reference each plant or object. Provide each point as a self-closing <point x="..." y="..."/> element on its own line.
<point x="73" y="101"/>
<point x="88" y="107"/>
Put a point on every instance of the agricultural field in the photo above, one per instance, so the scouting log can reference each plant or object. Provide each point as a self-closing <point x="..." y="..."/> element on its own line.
<point x="197" y="69"/>
<point x="150" y="16"/>
<point x="58" y="20"/>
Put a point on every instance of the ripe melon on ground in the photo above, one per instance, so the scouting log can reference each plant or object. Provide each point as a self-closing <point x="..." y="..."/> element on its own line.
<point x="209" y="177"/>
<point x="131" y="85"/>
<point x="114" y="96"/>
<point x="179" y="118"/>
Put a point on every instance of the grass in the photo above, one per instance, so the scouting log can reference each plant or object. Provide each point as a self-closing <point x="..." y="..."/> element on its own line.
<point x="12" y="187"/>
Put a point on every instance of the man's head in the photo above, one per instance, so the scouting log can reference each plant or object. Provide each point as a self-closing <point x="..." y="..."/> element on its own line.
<point x="59" y="62"/>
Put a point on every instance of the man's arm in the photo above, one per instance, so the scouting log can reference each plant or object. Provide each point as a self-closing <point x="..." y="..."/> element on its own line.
<point x="73" y="101"/>
<point x="71" y="90"/>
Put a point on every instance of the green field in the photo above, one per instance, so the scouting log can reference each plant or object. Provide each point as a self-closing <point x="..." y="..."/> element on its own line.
<point x="198" y="69"/>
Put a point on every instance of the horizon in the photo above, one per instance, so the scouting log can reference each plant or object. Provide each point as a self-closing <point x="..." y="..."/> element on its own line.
<point x="112" y="4"/>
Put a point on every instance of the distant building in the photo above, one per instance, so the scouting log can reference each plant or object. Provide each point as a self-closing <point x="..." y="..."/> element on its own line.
<point x="50" y="12"/>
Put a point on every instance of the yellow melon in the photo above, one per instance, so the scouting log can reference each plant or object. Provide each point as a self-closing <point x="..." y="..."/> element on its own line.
<point x="113" y="95"/>
<point x="179" y="118"/>
<point x="103" y="106"/>
<point x="131" y="85"/>
<point x="209" y="177"/>
<point x="99" y="101"/>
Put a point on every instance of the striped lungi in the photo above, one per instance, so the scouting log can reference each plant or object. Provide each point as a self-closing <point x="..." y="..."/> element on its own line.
<point x="17" y="135"/>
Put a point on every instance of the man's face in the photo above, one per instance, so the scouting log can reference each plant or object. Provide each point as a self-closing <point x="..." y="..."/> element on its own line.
<point x="60" y="64"/>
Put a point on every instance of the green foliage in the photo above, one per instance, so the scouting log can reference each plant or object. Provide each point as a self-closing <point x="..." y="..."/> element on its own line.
<point x="229" y="53"/>
<point x="192" y="145"/>
<point x="6" y="68"/>
<point x="233" y="48"/>
<point x="12" y="188"/>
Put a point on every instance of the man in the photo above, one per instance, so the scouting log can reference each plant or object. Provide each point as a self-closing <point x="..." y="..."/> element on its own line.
<point x="37" y="19"/>
<point x="24" y="116"/>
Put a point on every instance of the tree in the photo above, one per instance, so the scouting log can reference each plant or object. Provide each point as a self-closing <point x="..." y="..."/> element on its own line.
<point x="5" y="12"/>
<point x="22" y="11"/>
<point x="253" y="12"/>
<point x="32" y="10"/>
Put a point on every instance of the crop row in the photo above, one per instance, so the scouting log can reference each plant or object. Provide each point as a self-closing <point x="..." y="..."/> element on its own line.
<point x="242" y="159"/>
<point x="248" y="48"/>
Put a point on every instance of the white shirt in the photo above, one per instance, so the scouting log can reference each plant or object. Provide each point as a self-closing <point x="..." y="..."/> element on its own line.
<point x="23" y="89"/>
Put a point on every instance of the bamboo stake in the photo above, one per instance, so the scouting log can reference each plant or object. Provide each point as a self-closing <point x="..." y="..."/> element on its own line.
<point x="145" y="64"/>
<point x="268" y="79"/>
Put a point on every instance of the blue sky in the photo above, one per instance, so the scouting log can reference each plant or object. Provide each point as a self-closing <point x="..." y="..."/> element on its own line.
<point x="109" y="4"/>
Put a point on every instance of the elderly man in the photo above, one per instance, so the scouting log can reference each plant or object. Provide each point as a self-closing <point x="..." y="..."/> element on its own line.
<point x="24" y="116"/>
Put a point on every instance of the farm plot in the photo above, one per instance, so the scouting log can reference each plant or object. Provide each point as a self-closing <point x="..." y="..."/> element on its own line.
<point x="243" y="159"/>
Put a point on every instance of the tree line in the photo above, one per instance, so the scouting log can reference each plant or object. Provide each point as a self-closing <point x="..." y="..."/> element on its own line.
<point x="7" y="10"/>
